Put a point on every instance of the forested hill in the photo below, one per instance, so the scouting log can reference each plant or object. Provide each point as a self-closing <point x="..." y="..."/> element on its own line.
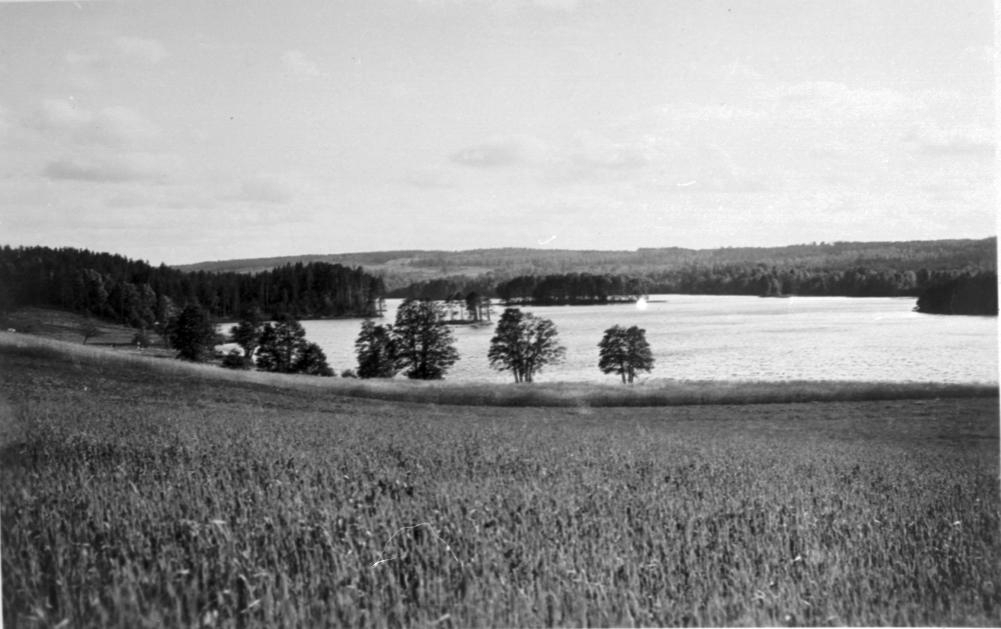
<point x="402" y="268"/>
<point x="135" y="293"/>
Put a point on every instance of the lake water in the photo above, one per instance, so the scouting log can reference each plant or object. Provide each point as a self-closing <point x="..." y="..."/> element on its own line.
<point x="737" y="338"/>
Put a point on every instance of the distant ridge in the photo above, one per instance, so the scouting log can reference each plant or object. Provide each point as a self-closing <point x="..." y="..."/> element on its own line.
<point x="402" y="267"/>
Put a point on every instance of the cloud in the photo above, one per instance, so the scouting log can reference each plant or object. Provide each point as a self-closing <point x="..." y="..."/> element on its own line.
<point x="982" y="54"/>
<point x="116" y="126"/>
<point x="595" y="151"/>
<point x="63" y="115"/>
<point x="121" y="126"/>
<point x="86" y="170"/>
<point x="818" y="99"/>
<point x="510" y="6"/>
<point x="78" y="59"/>
<point x="112" y="168"/>
<point x="267" y="188"/>
<point x="430" y="178"/>
<point x="300" y="66"/>
<point x="973" y="142"/>
<point x="140" y="49"/>
<point x="502" y="152"/>
<point x="5" y="123"/>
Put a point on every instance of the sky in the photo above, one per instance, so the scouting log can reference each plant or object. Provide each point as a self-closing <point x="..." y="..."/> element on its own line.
<point x="182" y="131"/>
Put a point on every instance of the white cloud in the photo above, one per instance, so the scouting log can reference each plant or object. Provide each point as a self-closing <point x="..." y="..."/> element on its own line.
<point x="982" y="54"/>
<point x="510" y="6"/>
<point x="816" y="100"/>
<point x="975" y="141"/>
<point x="270" y="188"/>
<point x="115" y="168"/>
<point x="595" y="151"/>
<point x="116" y="126"/>
<point x="300" y="66"/>
<point x="503" y="151"/>
<point x="62" y="114"/>
<point x="123" y="126"/>
<point x="77" y="59"/>
<point x="140" y="49"/>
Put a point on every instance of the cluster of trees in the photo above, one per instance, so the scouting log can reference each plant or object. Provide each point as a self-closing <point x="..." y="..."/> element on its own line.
<point x="443" y="288"/>
<point x="624" y="351"/>
<point x="740" y="279"/>
<point x="966" y="294"/>
<point x="571" y="289"/>
<point x="278" y="346"/>
<point x="694" y="279"/>
<point x="421" y="345"/>
<point x="135" y="293"/>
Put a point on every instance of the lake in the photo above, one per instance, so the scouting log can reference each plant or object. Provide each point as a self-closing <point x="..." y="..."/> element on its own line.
<point x="696" y="337"/>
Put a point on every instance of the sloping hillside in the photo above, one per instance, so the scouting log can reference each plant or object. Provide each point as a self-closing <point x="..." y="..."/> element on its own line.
<point x="400" y="268"/>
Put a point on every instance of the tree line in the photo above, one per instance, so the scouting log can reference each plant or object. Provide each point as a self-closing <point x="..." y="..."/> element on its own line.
<point x="400" y="269"/>
<point x="720" y="279"/>
<point x="134" y="293"/>
<point x="963" y="294"/>
<point x="278" y="346"/>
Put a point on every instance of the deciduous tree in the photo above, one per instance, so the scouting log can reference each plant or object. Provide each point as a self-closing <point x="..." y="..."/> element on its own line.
<point x="625" y="351"/>
<point x="425" y="347"/>
<point x="312" y="361"/>
<point x="523" y="344"/>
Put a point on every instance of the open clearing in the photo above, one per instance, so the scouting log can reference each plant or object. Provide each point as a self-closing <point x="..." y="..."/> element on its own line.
<point x="136" y="496"/>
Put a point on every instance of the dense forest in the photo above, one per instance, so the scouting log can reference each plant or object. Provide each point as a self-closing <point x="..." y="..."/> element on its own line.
<point x="409" y="273"/>
<point x="949" y="276"/>
<point x="733" y="279"/>
<point x="571" y="289"/>
<point x="135" y="293"/>
<point x="966" y="294"/>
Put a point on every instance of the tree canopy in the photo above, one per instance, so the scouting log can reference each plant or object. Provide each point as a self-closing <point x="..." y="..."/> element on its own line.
<point x="376" y="351"/>
<point x="969" y="294"/>
<point x="193" y="334"/>
<point x="424" y="346"/>
<point x="625" y="351"/>
<point x="132" y="292"/>
<point x="524" y="344"/>
<point x="283" y="348"/>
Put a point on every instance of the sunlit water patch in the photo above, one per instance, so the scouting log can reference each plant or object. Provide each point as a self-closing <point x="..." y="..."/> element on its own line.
<point x="742" y="338"/>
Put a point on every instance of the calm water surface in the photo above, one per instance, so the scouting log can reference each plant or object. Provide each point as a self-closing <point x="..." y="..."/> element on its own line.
<point x="737" y="338"/>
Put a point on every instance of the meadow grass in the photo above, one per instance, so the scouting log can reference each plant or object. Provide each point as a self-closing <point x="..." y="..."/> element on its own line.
<point x="136" y="495"/>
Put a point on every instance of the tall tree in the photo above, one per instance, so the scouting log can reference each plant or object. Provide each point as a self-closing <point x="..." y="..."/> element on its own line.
<point x="625" y="351"/>
<point x="192" y="333"/>
<point x="312" y="361"/>
<point x="247" y="334"/>
<point x="281" y="342"/>
<point x="376" y="351"/>
<point x="425" y="347"/>
<point x="524" y="344"/>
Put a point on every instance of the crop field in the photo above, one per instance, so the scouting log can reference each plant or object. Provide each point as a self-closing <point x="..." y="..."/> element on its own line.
<point x="157" y="497"/>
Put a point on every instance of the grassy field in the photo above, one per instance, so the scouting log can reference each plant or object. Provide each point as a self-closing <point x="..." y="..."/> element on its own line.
<point x="143" y="492"/>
